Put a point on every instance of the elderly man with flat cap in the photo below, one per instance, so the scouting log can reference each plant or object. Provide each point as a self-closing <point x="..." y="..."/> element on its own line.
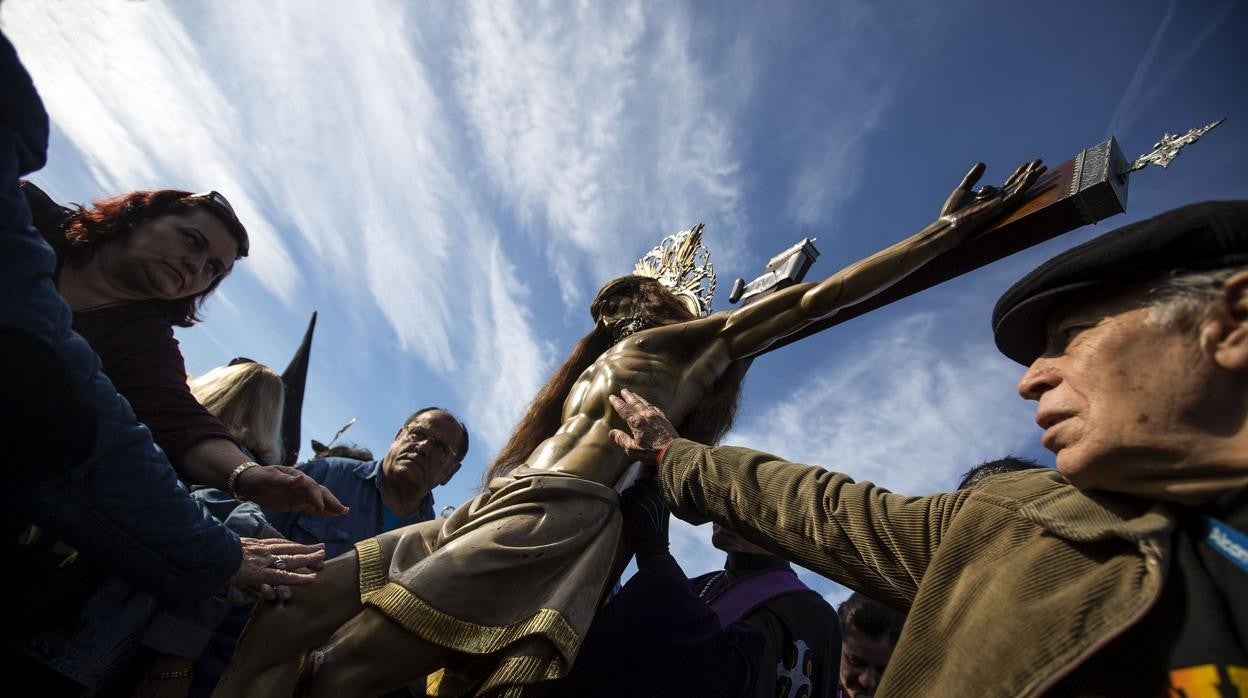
<point x="1123" y="572"/>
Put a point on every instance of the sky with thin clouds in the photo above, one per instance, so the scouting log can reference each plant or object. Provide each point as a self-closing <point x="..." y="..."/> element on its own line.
<point x="448" y="184"/>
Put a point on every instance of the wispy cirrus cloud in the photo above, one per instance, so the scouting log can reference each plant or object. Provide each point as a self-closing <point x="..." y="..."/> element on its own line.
<point x="358" y="160"/>
<point x="596" y="126"/>
<point x="1150" y="81"/>
<point x="126" y="85"/>
<point x="327" y="131"/>
<point x="836" y="126"/>
<point x="831" y="175"/>
<point x="508" y="358"/>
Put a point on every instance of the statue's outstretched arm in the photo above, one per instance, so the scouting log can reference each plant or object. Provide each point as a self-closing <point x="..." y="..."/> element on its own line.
<point x="753" y="328"/>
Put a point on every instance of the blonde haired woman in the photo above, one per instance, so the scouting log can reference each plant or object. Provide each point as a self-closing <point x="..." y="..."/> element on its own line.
<point x="248" y="398"/>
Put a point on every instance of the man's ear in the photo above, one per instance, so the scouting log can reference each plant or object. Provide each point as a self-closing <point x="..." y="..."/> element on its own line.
<point x="1225" y="333"/>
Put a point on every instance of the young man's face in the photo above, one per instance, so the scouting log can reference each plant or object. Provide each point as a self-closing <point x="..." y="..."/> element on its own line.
<point x="863" y="660"/>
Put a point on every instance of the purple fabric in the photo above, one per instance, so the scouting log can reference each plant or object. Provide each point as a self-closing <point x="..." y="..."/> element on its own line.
<point x="656" y="638"/>
<point x="747" y="594"/>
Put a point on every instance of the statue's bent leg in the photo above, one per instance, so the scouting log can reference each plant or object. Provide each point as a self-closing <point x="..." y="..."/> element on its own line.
<point x="368" y="656"/>
<point x="278" y="635"/>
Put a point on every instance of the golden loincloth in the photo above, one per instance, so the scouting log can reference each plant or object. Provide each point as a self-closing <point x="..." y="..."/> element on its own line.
<point x="512" y="578"/>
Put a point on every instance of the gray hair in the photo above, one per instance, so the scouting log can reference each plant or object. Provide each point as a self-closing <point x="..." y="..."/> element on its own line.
<point x="1182" y="299"/>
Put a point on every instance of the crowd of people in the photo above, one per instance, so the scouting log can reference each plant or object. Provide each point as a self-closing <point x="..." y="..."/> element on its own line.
<point x="161" y="548"/>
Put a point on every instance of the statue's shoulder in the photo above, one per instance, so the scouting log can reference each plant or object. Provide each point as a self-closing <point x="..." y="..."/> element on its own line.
<point x="681" y="337"/>
<point x="699" y="328"/>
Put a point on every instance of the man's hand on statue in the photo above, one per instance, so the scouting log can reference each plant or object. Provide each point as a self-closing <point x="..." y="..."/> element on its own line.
<point x="651" y="429"/>
<point x="273" y="563"/>
<point x="287" y="489"/>
<point x="646" y="517"/>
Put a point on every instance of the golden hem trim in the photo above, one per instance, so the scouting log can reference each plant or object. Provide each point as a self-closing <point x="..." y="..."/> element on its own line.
<point x="425" y="621"/>
<point x="372" y="567"/>
<point x="522" y="670"/>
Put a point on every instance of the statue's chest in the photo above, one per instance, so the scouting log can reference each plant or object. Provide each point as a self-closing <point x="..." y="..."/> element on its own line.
<point x="653" y="376"/>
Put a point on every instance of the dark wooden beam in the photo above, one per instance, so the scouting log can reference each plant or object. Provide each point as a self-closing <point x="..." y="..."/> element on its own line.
<point x="1087" y="188"/>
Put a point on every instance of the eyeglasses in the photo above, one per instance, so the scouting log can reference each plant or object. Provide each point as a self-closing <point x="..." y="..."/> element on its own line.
<point x="223" y="206"/>
<point x="240" y="360"/>
<point x="416" y="434"/>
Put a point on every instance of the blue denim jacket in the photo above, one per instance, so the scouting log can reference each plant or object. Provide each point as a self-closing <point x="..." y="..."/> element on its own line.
<point x="123" y="505"/>
<point x="104" y="653"/>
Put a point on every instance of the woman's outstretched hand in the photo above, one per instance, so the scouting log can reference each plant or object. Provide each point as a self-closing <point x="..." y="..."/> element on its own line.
<point x="271" y="566"/>
<point x="287" y="489"/>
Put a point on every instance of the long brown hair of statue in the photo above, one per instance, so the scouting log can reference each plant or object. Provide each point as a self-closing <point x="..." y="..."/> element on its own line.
<point x="707" y="423"/>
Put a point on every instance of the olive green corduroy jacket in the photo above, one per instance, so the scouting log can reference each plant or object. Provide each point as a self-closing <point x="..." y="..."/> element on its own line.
<point x="1009" y="586"/>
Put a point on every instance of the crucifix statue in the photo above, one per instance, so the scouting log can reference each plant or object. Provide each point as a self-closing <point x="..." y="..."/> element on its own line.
<point x="497" y="597"/>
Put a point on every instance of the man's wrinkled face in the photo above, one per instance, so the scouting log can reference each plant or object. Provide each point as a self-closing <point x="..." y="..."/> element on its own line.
<point x="1115" y="388"/>
<point x="863" y="660"/>
<point x="423" y="453"/>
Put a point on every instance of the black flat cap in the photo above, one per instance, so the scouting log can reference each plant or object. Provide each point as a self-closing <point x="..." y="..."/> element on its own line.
<point x="1204" y="236"/>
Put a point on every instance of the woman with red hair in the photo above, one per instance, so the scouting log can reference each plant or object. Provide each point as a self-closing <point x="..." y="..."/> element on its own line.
<point x="133" y="266"/>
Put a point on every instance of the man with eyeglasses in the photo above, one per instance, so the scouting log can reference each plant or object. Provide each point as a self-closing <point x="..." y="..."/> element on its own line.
<point x="1122" y="572"/>
<point x="381" y="495"/>
<point x="385" y="494"/>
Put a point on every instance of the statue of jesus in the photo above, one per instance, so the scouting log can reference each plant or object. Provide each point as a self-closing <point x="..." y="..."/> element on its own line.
<point x="496" y="598"/>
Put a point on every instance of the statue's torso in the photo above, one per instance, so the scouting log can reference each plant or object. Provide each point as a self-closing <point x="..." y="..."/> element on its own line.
<point x="672" y="367"/>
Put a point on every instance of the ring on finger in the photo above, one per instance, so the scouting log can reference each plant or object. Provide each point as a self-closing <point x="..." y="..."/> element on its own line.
<point x="278" y="564"/>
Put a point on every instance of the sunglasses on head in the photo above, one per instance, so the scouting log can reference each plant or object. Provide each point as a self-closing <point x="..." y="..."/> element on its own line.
<point x="222" y="204"/>
<point x="240" y="360"/>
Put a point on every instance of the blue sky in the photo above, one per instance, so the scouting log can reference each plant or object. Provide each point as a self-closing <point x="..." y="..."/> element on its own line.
<point x="449" y="183"/>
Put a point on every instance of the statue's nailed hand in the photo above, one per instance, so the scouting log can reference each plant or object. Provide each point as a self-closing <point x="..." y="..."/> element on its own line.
<point x="1020" y="181"/>
<point x="651" y="429"/>
<point x="970" y="208"/>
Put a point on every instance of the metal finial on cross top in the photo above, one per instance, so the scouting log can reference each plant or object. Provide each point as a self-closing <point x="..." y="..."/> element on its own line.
<point x="1167" y="149"/>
